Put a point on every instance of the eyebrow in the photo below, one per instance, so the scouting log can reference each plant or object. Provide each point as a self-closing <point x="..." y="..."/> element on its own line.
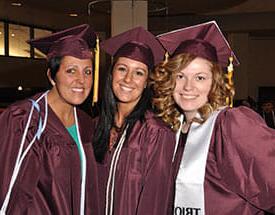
<point x="76" y="66"/>
<point x="138" y="67"/>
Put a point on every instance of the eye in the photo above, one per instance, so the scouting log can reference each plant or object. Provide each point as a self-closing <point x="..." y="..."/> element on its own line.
<point x="71" y="70"/>
<point x="121" y="68"/>
<point x="88" y="71"/>
<point x="140" y="72"/>
<point x="200" y="78"/>
<point x="179" y="76"/>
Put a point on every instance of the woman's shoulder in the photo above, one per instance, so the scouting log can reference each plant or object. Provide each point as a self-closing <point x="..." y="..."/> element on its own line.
<point x="240" y="122"/>
<point x="18" y="108"/>
<point x="240" y="114"/>
<point x="16" y="116"/>
<point x="154" y="122"/>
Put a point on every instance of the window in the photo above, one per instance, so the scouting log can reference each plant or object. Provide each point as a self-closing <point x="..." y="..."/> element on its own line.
<point x="18" y="35"/>
<point x="37" y="34"/>
<point x="2" y="40"/>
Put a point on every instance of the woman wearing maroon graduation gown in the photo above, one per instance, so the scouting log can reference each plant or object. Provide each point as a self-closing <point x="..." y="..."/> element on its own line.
<point x="224" y="160"/>
<point x="46" y="159"/>
<point x="133" y="147"/>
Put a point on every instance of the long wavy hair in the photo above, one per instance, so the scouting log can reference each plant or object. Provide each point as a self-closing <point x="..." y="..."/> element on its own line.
<point x="163" y="82"/>
<point x="107" y="112"/>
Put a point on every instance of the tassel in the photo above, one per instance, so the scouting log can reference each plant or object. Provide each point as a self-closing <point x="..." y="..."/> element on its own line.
<point x="230" y="69"/>
<point x="96" y="73"/>
<point x="166" y="57"/>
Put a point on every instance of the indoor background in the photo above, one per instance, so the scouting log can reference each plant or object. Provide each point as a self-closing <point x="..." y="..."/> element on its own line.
<point x="249" y="25"/>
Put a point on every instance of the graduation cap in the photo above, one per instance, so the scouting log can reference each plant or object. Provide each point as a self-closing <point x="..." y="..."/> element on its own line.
<point x="137" y="44"/>
<point x="76" y="42"/>
<point x="203" y="40"/>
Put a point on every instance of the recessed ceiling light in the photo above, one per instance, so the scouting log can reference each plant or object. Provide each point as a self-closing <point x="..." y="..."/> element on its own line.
<point x="17" y="4"/>
<point x="73" y="14"/>
<point x="12" y="35"/>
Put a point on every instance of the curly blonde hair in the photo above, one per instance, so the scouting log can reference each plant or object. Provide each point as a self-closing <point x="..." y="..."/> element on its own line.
<point x="163" y="81"/>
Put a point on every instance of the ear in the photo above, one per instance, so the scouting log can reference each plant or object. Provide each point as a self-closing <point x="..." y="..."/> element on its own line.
<point x="50" y="78"/>
<point x="146" y="83"/>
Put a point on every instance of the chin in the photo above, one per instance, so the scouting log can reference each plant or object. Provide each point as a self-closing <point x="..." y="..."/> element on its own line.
<point x="186" y="108"/>
<point x="124" y="99"/>
<point x="76" y="101"/>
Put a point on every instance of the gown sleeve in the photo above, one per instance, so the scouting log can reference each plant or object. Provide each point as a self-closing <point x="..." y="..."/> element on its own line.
<point x="246" y="157"/>
<point x="157" y="176"/>
<point x="12" y="124"/>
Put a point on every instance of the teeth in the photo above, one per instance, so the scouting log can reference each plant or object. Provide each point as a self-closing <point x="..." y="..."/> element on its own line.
<point x="126" y="88"/>
<point x="188" y="97"/>
<point x="79" y="90"/>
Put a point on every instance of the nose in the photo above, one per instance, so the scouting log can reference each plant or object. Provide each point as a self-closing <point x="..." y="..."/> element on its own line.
<point x="188" y="85"/>
<point x="128" y="77"/>
<point x="81" y="77"/>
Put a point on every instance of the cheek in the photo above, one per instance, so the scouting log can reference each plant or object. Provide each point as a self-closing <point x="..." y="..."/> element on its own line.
<point x="60" y="82"/>
<point x="176" y="95"/>
<point x="143" y="84"/>
<point x="89" y="84"/>
<point x="178" y="86"/>
<point x="114" y="81"/>
<point x="116" y="75"/>
<point x="140" y="82"/>
<point x="207" y="89"/>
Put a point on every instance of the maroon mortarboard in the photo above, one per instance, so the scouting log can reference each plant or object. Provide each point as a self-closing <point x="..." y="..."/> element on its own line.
<point x="204" y="40"/>
<point x="137" y="44"/>
<point x="76" y="41"/>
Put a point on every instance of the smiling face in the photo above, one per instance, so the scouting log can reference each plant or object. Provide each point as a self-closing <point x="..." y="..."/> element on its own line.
<point x="129" y="80"/>
<point x="73" y="80"/>
<point x="193" y="84"/>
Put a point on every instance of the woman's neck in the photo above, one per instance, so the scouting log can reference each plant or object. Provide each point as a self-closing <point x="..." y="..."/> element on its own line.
<point x="63" y="110"/>
<point x="189" y="116"/>
<point x="123" y="110"/>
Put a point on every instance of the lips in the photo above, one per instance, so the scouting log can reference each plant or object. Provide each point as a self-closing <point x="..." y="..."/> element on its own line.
<point x="185" y="96"/>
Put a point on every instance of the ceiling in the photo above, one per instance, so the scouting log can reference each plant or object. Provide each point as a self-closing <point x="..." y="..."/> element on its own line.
<point x="256" y="17"/>
<point x="54" y="14"/>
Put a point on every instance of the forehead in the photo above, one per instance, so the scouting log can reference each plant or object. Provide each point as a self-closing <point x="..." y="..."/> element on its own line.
<point x="67" y="60"/>
<point x="130" y="63"/>
<point x="267" y="104"/>
<point x="198" y="65"/>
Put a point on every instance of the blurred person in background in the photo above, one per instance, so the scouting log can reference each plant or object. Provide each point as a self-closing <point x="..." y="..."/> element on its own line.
<point x="267" y="112"/>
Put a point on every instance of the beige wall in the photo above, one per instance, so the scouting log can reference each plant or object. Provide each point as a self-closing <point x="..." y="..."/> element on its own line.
<point x="239" y="43"/>
<point x="257" y="57"/>
<point x="261" y="63"/>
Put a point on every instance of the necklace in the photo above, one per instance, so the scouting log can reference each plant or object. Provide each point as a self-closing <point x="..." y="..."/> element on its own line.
<point x="115" y="133"/>
<point x="117" y="128"/>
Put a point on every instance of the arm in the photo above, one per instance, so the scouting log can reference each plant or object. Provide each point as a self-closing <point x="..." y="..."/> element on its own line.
<point x="9" y="146"/>
<point x="247" y="157"/>
<point x="12" y="124"/>
<point x="154" y="198"/>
